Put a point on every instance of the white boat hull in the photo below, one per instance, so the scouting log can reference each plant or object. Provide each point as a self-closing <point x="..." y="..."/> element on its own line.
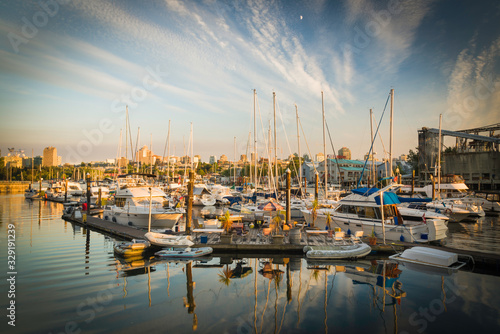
<point x="166" y="240"/>
<point x="433" y="230"/>
<point x="135" y="218"/>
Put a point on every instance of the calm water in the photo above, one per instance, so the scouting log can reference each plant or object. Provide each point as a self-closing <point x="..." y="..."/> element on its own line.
<point x="68" y="281"/>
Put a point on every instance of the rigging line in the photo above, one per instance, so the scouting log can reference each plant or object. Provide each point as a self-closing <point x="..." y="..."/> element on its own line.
<point x="308" y="150"/>
<point x="266" y="145"/>
<point x="371" y="146"/>
<point x="286" y="137"/>
<point x="333" y="148"/>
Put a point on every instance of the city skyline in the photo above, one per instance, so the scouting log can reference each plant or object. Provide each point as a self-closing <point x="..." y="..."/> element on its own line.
<point x="70" y="68"/>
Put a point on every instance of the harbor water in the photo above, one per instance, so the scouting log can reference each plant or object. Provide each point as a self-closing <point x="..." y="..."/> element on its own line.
<point x="66" y="279"/>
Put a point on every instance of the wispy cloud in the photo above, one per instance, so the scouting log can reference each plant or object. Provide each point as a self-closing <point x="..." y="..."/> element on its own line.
<point x="474" y="87"/>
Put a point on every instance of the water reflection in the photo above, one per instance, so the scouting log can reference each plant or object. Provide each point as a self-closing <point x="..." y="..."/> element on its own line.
<point x="67" y="268"/>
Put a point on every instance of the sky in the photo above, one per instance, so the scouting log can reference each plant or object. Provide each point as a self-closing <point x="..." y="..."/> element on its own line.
<point x="69" y="69"/>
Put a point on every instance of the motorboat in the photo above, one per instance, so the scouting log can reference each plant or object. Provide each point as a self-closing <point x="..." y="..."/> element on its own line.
<point x="168" y="240"/>
<point x="419" y="212"/>
<point x="74" y="189"/>
<point x="429" y="257"/>
<point x="362" y="211"/>
<point x="184" y="253"/>
<point x="202" y="196"/>
<point x="455" y="211"/>
<point x="132" y="203"/>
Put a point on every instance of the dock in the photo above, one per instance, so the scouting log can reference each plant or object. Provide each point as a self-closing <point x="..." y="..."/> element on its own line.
<point x="255" y="242"/>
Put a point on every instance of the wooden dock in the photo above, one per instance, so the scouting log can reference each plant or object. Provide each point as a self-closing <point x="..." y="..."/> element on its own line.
<point x="255" y="242"/>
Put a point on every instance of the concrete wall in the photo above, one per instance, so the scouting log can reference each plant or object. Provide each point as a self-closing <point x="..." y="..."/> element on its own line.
<point x="13" y="187"/>
<point x="479" y="169"/>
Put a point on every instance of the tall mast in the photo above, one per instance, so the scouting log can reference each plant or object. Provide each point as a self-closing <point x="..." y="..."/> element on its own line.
<point x="254" y="160"/>
<point x="298" y="144"/>
<point x="391" y="139"/>
<point x="168" y="154"/>
<point x="325" y="161"/>
<point x="269" y="168"/>
<point x="191" y="140"/>
<point x="372" y="171"/>
<point x="439" y="158"/>
<point x="136" y="160"/>
<point x="234" y="163"/>
<point x="275" y="145"/>
<point x="138" y="137"/>
<point x="32" y="162"/>
<point x="126" y="138"/>
<point x="151" y="154"/>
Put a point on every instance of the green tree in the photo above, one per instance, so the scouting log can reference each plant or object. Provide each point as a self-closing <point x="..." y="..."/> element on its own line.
<point x="413" y="158"/>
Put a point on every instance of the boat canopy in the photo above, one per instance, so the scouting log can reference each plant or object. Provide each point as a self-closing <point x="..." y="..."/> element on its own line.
<point x="389" y="198"/>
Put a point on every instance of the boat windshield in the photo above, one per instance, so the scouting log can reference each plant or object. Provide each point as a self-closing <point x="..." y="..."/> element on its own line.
<point x="144" y="201"/>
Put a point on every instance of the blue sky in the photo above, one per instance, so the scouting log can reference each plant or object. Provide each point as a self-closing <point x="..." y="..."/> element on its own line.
<point x="69" y="68"/>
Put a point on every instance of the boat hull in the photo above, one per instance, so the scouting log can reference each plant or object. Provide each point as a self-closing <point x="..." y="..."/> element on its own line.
<point x="432" y="230"/>
<point x="187" y="253"/>
<point x="159" y="220"/>
<point x="350" y="251"/>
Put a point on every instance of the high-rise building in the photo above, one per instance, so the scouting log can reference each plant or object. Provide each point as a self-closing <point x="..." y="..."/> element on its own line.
<point x="319" y="157"/>
<point x="145" y="156"/>
<point x="212" y="159"/>
<point x="345" y="153"/>
<point x="50" y="158"/>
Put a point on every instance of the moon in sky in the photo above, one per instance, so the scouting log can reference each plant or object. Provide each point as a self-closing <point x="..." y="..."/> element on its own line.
<point x="301" y="17"/>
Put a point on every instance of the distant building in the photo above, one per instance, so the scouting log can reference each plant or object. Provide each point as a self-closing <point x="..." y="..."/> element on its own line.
<point x="223" y="159"/>
<point x="212" y="159"/>
<point x="13" y="161"/>
<point x="145" y="156"/>
<point x="319" y="157"/>
<point x="50" y="158"/>
<point x="345" y="152"/>
<point x="122" y="162"/>
<point x="196" y="159"/>
<point x="37" y="161"/>
<point x="243" y="158"/>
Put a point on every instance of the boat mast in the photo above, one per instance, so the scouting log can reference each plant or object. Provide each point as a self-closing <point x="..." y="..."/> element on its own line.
<point x="191" y="140"/>
<point x="298" y="144"/>
<point x="136" y="160"/>
<point x="325" y="161"/>
<point x="138" y="137"/>
<point x="151" y="154"/>
<point x="254" y="160"/>
<point x="168" y="154"/>
<point x="275" y="146"/>
<point x="439" y="157"/>
<point x="391" y="130"/>
<point x="373" y="167"/>
<point x="234" y="163"/>
<point x="126" y="137"/>
<point x="32" y="162"/>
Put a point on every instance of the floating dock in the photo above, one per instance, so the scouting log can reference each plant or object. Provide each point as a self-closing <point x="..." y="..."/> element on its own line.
<point x="255" y="242"/>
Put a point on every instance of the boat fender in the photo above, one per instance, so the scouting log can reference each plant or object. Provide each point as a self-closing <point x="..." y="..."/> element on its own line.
<point x="106" y="218"/>
<point x="114" y="219"/>
<point x="348" y="231"/>
<point x="402" y="238"/>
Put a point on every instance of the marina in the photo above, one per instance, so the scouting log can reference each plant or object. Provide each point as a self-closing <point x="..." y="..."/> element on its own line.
<point x="75" y="272"/>
<point x="250" y="167"/>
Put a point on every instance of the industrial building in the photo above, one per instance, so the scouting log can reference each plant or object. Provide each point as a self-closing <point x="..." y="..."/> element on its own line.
<point x="475" y="156"/>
